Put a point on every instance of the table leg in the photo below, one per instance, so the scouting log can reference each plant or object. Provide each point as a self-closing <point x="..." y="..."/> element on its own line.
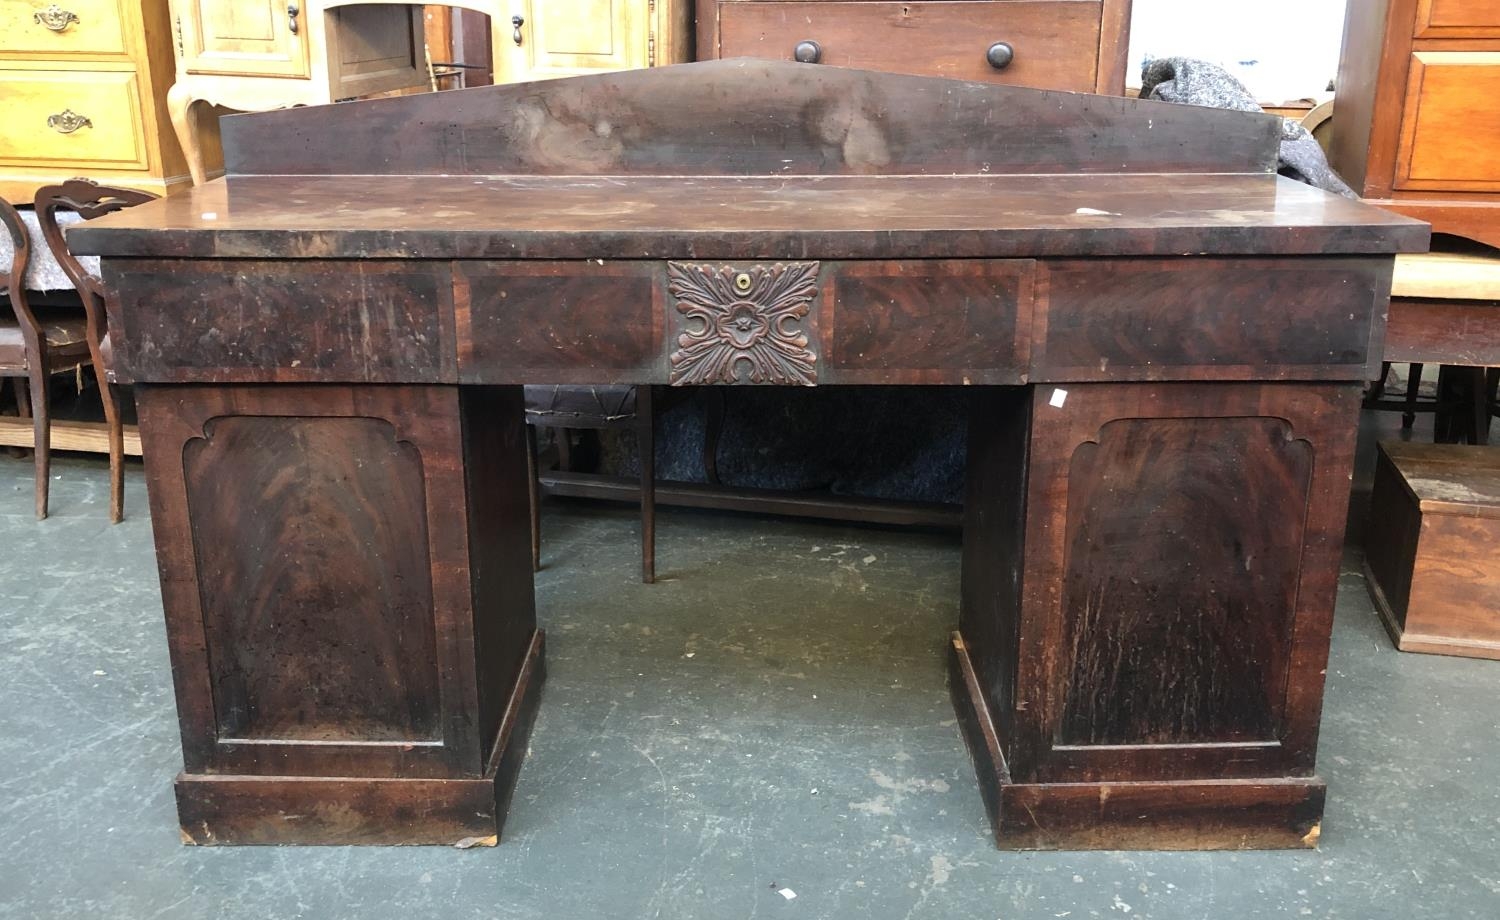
<point x="1149" y="573"/>
<point x="180" y="109"/>
<point x="348" y="592"/>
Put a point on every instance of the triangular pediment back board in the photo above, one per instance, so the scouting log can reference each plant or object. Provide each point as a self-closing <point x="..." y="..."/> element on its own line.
<point x="746" y="117"/>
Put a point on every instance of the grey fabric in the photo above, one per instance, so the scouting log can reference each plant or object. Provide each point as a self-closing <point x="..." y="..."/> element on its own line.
<point x="43" y="273"/>
<point x="1193" y="82"/>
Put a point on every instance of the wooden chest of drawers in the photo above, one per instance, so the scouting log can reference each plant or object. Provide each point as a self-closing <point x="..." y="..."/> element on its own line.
<point x="1078" y="45"/>
<point x="84" y="84"/>
<point x="1416" y="123"/>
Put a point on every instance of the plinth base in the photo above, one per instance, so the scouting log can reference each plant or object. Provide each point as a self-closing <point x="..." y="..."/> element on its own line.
<point x="1189" y="814"/>
<point x="222" y="810"/>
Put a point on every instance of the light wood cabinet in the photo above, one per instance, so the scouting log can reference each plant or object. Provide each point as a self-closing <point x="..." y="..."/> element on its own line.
<point x="252" y="38"/>
<point x="255" y="55"/>
<point x="541" y="39"/>
<point x="84" y="86"/>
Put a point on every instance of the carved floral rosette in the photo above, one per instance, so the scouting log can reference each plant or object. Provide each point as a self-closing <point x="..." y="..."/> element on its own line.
<point x="743" y="325"/>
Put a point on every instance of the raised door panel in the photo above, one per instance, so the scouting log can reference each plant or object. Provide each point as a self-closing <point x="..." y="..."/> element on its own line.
<point x="1450" y="132"/>
<point x="561" y="38"/>
<point x="71" y="119"/>
<point x="1183" y="544"/>
<point x="1181" y="558"/>
<point x="1458" y="19"/>
<point x="317" y="579"/>
<point x="1054" y="43"/>
<point x="243" y="37"/>
<point x="326" y="585"/>
<point x="68" y="27"/>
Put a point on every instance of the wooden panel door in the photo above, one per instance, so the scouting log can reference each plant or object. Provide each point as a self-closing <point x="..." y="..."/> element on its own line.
<point x="562" y="38"/>
<point x="1458" y="19"/>
<point x="1450" y="136"/>
<point x="243" y="37"/>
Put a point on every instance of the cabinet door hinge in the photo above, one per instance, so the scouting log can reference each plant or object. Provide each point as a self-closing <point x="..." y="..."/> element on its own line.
<point x="180" y="52"/>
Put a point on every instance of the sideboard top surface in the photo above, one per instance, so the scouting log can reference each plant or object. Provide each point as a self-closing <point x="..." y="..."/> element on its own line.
<point x="741" y="159"/>
<point x="748" y="217"/>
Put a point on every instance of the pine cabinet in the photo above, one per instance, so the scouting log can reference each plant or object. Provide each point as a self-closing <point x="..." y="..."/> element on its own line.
<point x="84" y="86"/>
<point x="255" y="55"/>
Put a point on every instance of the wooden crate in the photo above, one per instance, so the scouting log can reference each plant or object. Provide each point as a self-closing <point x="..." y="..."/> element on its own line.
<point x="1433" y="551"/>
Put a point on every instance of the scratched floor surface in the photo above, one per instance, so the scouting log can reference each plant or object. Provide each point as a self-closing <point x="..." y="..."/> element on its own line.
<point x="773" y="715"/>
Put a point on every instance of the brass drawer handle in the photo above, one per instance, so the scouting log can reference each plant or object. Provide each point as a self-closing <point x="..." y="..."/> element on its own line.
<point x="55" y="18"/>
<point x="67" y="121"/>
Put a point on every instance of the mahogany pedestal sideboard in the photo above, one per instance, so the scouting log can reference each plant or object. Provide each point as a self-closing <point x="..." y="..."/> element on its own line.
<point x="1165" y="345"/>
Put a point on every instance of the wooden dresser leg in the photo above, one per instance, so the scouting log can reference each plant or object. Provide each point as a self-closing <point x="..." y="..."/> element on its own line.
<point x="347" y="583"/>
<point x="1148" y="587"/>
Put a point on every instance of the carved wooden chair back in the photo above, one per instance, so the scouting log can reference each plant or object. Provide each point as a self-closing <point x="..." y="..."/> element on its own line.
<point x="13" y="276"/>
<point x="89" y="199"/>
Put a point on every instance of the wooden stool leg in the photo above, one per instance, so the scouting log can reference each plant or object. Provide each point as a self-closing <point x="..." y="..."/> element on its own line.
<point x="646" y="445"/>
<point x="1377" y="389"/>
<point x="1413" y="385"/>
<point x="41" y="440"/>
<point x="534" y="475"/>
<point x="713" y="427"/>
<point x="1479" y="407"/>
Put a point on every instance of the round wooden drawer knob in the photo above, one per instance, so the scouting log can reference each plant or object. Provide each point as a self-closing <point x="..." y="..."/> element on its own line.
<point x="808" y="52"/>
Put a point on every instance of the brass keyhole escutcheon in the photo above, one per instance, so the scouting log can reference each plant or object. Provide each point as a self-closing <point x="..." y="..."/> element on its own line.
<point x="742" y="282"/>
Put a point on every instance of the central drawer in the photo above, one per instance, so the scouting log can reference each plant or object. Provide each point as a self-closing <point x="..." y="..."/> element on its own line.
<point x="1053" y="44"/>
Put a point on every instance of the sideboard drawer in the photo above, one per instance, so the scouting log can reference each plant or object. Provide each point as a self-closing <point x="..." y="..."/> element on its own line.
<point x="1209" y="319"/>
<point x="78" y="119"/>
<point x="1450" y="133"/>
<point x="1458" y="19"/>
<point x="63" y="27"/>
<point x="357" y="321"/>
<point x="1055" y="43"/>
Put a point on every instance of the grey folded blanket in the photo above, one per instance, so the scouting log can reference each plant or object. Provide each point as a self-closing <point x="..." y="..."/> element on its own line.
<point x="1195" y="82"/>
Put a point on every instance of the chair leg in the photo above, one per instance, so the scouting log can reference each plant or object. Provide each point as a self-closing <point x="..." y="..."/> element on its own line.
<point x="646" y="447"/>
<point x="534" y="475"/>
<point x="41" y="437"/>
<point x="1413" y="385"/>
<point x="111" y="402"/>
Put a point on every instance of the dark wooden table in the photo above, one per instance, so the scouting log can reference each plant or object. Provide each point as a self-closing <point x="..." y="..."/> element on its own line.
<point x="1164" y="343"/>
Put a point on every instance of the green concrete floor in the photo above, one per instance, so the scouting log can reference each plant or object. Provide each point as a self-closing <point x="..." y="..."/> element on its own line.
<point x="773" y="714"/>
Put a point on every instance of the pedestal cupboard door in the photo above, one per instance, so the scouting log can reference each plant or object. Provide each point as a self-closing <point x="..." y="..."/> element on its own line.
<point x="560" y="38"/>
<point x="243" y="37"/>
